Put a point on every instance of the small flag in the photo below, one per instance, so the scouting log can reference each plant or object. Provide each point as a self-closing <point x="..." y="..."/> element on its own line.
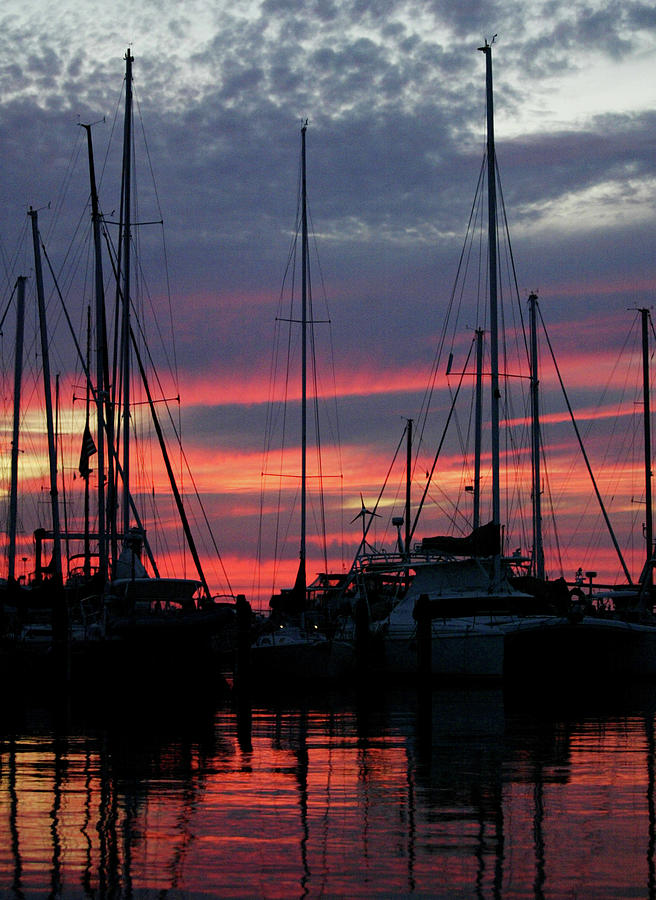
<point x="88" y="449"/>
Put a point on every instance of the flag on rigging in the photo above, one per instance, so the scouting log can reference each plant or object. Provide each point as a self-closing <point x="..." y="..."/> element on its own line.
<point x="87" y="451"/>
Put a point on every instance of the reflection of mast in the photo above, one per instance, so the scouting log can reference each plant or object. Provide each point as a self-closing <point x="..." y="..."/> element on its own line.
<point x="108" y="879"/>
<point x="538" y="834"/>
<point x="651" y="802"/>
<point x="302" y="767"/>
<point x="497" y="788"/>
<point x="84" y="830"/>
<point x="412" y="824"/>
<point x="56" y="873"/>
<point x="13" y="823"/>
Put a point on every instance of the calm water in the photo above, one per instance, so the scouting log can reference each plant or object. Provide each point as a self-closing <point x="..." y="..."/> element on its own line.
<point x="463" y="793"/>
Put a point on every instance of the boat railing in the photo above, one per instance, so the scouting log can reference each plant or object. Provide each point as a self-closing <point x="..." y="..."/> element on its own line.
<point x="393" y="559"/>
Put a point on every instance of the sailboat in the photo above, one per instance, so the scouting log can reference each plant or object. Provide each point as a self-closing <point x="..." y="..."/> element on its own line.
<point x="457" y="607"/>
<point x="608" y="634"/>
<point x="141" y="617"/>
<point x="445" y="605"/>
<point x="294" y="642"/>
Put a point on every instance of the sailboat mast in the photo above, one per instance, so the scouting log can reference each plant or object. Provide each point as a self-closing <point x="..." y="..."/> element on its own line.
<point x="538" y="549"/>
<point x="649" y="540"/>
<point x="102" y="375"/>
<point x="304" y="328"/>
<point x="18" y="377"/>
<point x="86" y="471"/>
<point x="408" y="487"/>
<point x="125" y="331"/>
<point x="45" y="354"/>
<point x="494" y="315"/>
<point x="478" y="428"/>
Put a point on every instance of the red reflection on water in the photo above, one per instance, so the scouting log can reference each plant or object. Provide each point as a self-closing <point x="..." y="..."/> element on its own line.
<point x="393" y="797"/>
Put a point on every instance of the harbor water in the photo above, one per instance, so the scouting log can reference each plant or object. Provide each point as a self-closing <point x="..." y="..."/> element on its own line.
<point x="454" y="792"/>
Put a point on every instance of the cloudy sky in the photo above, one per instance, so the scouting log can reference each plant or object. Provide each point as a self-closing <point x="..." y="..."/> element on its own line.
<point x="394" y="95"/>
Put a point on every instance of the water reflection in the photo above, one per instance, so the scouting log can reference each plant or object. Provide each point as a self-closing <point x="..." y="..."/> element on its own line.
<point x="454" y="793"/>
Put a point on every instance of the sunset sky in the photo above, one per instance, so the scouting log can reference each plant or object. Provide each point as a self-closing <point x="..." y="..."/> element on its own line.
<point x="394" y="94"/>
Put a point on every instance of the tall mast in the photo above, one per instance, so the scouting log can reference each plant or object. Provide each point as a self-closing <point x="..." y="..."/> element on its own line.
<point x="478" y="427"/>
<point x="304" y="329"/>
<point x="52" y="450"/>
<point x="102" y="373"/>
<point x="538" y="549"/>
<point x="125" y="331"/>
<point x="494" y="324"/>
<point x="408" y="487"/>
<point x="649" y="541"/>
<point x="18" y="377"/>
<point x="85" y="470"/>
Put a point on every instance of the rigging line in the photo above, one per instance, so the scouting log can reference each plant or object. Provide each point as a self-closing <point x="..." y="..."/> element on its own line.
<point x="7" y="308"/>
<point x="117" y="113"/>
<point x="291" y="262"/>
<point x="58" y="205"/>
<point x="462" y="440"/>
<point x="138" y="319"/>
<point x="180" y="506"/>
<point x="513" y="445"/>
<point x="59" y="456"/>
<point x="67" y="317"/>
<point x="118" y="472"/>
<point x="422" y="416"/>
<point x="617" y="467"/>
<point x="174" y="365"/>
<point x="276" y="353"/>
<point x="552" y="512"/>
<point x="651" y="326"/>
<point x="449" y="508"/>
<point x="202" y="507"/>
<point x="468" y="246"/>
<point x="283" y="441"/>
<point x="21" y="248"/>
<point x="177" y="436"/>
<point x="511" y="257"/>
<point x="337" y="435"/>
<point x="315" y="374"/>
<point x="317" y="422"/>
<point x="363" y="540"/>
<point x="5" y="262"/>
<point x="72" y="244"/>
<point x="611" y="380"/>
<point x="439" y="449"/>
<point x="330" y="334"/>
<point x="585" y="455"/>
